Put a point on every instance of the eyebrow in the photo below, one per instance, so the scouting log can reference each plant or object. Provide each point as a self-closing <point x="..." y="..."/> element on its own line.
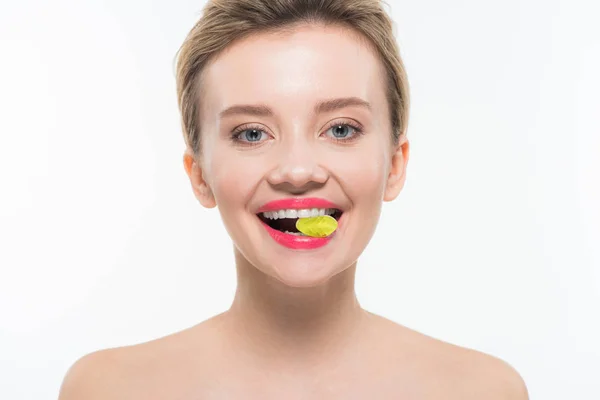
<point x="262" y="110"/>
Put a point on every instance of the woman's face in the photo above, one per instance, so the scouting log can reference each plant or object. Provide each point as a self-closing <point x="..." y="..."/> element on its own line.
<point x="283" y="149"/>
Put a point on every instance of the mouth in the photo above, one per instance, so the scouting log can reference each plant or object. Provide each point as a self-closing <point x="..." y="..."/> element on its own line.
<point x="279" y="217"/>
<point x="285" y="220"/>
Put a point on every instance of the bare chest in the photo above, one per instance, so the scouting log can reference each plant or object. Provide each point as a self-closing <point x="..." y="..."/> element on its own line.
<point x="250" y="385"/>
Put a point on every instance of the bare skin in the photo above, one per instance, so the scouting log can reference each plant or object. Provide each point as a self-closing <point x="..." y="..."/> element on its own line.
<point x="389" y="361"/>
<point x="295" y="329"/>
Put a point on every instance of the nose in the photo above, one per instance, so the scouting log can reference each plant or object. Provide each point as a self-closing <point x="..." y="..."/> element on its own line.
<point x="298" y="169"/>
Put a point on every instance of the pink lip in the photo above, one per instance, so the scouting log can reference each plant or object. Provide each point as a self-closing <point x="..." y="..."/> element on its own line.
<point x="293" y="241"/>
<point x="297" y="204"/>
<point x="300" y="242"/>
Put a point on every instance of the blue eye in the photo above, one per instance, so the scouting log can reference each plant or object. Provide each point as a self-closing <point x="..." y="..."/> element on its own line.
<point x="252" y="135"/>
<point x="344" y="132"/>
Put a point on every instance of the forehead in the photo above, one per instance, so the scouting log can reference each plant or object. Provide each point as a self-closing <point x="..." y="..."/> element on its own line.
<point x="297" y="68"/>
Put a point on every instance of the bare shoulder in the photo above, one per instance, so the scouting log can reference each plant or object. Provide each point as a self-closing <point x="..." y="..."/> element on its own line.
<point x="488" y="376"/>
<point x="95" y="376"/>
<point x="503" y="381"/>
<point x="160" y="368"/>
<point x="462" y="372"/>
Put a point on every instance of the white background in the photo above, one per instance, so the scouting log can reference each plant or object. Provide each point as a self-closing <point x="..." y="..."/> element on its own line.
<point x="494" y="243"/>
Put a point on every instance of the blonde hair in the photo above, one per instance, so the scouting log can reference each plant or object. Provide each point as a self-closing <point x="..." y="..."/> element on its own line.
<point x="225" y="21"/>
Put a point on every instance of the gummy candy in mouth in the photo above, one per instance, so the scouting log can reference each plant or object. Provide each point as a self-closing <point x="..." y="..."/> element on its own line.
<point x="289" y="225"/>
<point x="320" y="226"/>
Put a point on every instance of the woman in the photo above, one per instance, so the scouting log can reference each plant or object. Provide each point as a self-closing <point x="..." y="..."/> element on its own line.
<point x="292" y="105"/>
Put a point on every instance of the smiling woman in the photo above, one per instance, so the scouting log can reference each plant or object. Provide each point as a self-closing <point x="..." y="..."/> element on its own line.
<point x="294" y="109"/>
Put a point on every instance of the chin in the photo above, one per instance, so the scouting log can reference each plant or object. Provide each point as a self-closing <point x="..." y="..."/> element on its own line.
<point x="304" y="275"/>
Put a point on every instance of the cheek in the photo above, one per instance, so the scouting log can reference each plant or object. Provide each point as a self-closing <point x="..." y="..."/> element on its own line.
<point x="232" y="179"/>
<point x="361" y="173"/>
<point x="363" y="176"/>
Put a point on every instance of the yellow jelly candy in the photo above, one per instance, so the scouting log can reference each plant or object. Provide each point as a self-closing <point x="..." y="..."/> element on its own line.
<point x="320" y="226"/>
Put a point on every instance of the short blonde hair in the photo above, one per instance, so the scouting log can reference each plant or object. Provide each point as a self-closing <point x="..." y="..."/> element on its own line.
<point x="225" y="21"/>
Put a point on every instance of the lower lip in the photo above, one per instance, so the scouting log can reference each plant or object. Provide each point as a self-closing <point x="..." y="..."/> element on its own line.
<point x="298" y="242"/>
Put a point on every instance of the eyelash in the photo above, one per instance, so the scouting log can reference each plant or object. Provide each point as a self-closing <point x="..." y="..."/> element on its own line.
<point x="358" y="131"/>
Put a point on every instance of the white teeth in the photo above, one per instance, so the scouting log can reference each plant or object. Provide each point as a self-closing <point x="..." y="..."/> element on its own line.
<point x="295" y="233"/>
<point x="291" y="213"/>
<point x="304" y="213"/>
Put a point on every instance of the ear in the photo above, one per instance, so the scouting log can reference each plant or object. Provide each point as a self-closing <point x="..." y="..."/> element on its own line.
<point x="200" y="187"/>
<point x="397" y="174"/>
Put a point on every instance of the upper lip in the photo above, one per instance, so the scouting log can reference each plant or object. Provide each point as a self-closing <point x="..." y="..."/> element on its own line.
<point x="297" y="204"/>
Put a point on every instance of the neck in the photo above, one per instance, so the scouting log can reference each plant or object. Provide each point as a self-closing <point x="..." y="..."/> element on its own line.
<point x="278" y="321"/>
